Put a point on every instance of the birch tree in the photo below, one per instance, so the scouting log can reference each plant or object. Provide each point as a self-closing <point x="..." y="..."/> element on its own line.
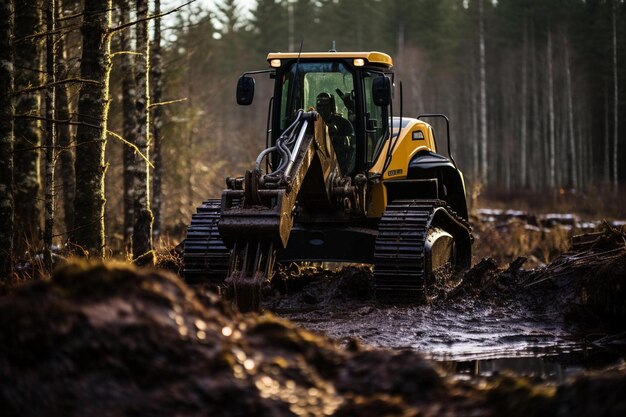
<point x="191" y="113"/>
<point x="615" y="102"/>
<point x="483" y="94"/>
<point x="552" y="137"/>
<point x="570" y="113"/>
<point x="64" y="137"/>
<point x="535" y="111"/>
<point x="50" y="133"/>
<point x="607" y="137"/>
<point x="129" y="116"/>
<point x="524" y="109"/>
<point x="6" y="138"/>
<point x="157" y="122"/>
<point x="93" y="106"/>
<point x="142" y="228"/>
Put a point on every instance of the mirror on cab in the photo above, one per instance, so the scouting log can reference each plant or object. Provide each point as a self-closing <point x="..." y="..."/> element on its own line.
<point x="381" y="91"/>
<point x="245" y="90"/>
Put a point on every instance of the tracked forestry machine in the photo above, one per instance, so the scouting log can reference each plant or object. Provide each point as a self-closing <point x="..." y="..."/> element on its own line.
<point x="341" y="180"/>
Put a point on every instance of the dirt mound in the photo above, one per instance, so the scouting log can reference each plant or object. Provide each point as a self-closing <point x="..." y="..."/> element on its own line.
<point x="110" y="340"/>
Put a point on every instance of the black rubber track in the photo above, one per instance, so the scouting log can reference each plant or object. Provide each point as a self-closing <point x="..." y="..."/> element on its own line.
<point x="205" y="257"/>
<point x="399" y="259"/>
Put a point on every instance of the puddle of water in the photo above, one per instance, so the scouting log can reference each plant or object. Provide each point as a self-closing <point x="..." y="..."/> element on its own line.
<point x="522" y="333"/>
<point x="460" y="331"/>
<point x="552" y="368"/>
<point x="467" y="337"/>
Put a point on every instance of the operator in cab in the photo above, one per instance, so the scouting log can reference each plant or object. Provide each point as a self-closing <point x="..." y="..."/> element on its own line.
<point x="340" y="130"/>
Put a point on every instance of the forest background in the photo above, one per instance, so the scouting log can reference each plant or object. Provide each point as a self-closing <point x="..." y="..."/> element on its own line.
<point x="533" y="89"/>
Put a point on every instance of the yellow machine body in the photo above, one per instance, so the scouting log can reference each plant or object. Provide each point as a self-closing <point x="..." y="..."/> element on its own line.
<point x="416" y="136"/>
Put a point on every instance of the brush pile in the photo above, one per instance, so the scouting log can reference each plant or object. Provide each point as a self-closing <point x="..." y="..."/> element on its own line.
<point x="590" y="277"/>
<point x="595" y="266"/>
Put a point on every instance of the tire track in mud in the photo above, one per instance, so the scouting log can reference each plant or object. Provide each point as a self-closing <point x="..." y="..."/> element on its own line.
<point x="491" y="313"/>
<point x="460" y="329"/>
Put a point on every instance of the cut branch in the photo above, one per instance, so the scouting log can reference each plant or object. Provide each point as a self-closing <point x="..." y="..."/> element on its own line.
<point x="124" y="53"/>
<point x="116" y="136"/>
<point x="166" y="103"/>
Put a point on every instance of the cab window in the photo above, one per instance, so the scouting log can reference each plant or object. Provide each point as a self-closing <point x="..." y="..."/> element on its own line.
<point x="375" y="120"/>
<point x="328" y="88"/>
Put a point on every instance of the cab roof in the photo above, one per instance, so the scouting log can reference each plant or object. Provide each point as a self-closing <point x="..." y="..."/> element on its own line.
<point x="372" y="57"/>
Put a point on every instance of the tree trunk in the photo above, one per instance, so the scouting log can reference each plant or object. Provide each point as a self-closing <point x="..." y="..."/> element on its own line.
<point x="483" y="96"/>
<point x="129" y="122"/>
<point x="50" y="135"/>
<point x="157" y="122"/>
<point x="66" y="154"/>
<point x="570" y="114"/>
<point x="524" y="110"/>
<point x="6" y="139"/>
<point x="191" y="117"/>
<point x="290" y="26"/>
<point x="607" y="137"/>
<point x="93" y="107"/>
<point x="475" y="124"/>
<point x="535" y="142"/>
<point x="26" y="130"/>
<point x="552" y="137"/>
<point x="142" y="230"/>
<point x="615" y="101"/>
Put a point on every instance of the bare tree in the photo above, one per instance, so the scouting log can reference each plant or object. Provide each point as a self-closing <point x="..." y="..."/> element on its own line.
<point x="483" y="94"/>
<point x="50" y="133"/>
<point x="524" y="110"/>
<point x="66" y="152"/>
<point x="157" y="122"/>
<point x="615" y="101"/>
<point x="6" y="138"/>
<point x="93" y="106"/>
<point x="142" y="229"/>
<point x="26" y="127"/>
<point x="129" y="92"/>
<point x="190" y="143"/>
<point x="475" y="122"/>
<point x="535" y="111"/>
<point x="607" y="137"/>
<point x="570" y="112"/>
<point x="552" y="137"/>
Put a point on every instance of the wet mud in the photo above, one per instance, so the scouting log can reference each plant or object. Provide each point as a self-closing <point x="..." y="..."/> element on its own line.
<point x="464" y="326"/>
<point x="573" y="304"/>
<point x="110" y="340"/>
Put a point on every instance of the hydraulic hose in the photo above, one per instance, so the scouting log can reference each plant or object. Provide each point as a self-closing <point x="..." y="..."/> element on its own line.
<point x="263" y="154"/>
<point x="287" y="138"/>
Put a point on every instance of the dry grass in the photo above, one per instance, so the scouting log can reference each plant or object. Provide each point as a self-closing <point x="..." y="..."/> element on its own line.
<point x="168" y="256"/>
<point x="30" y="266"/>
<point x="507" y="242"/>
<point x="595" y="203"/>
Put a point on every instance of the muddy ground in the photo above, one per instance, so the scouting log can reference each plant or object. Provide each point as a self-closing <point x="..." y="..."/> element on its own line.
<point x="567" y="310"/>
<point x="467" y="327"/>
<point x="498" y="339"/>
<point x="109" y="340"/>
<point x="512" y="317"/>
